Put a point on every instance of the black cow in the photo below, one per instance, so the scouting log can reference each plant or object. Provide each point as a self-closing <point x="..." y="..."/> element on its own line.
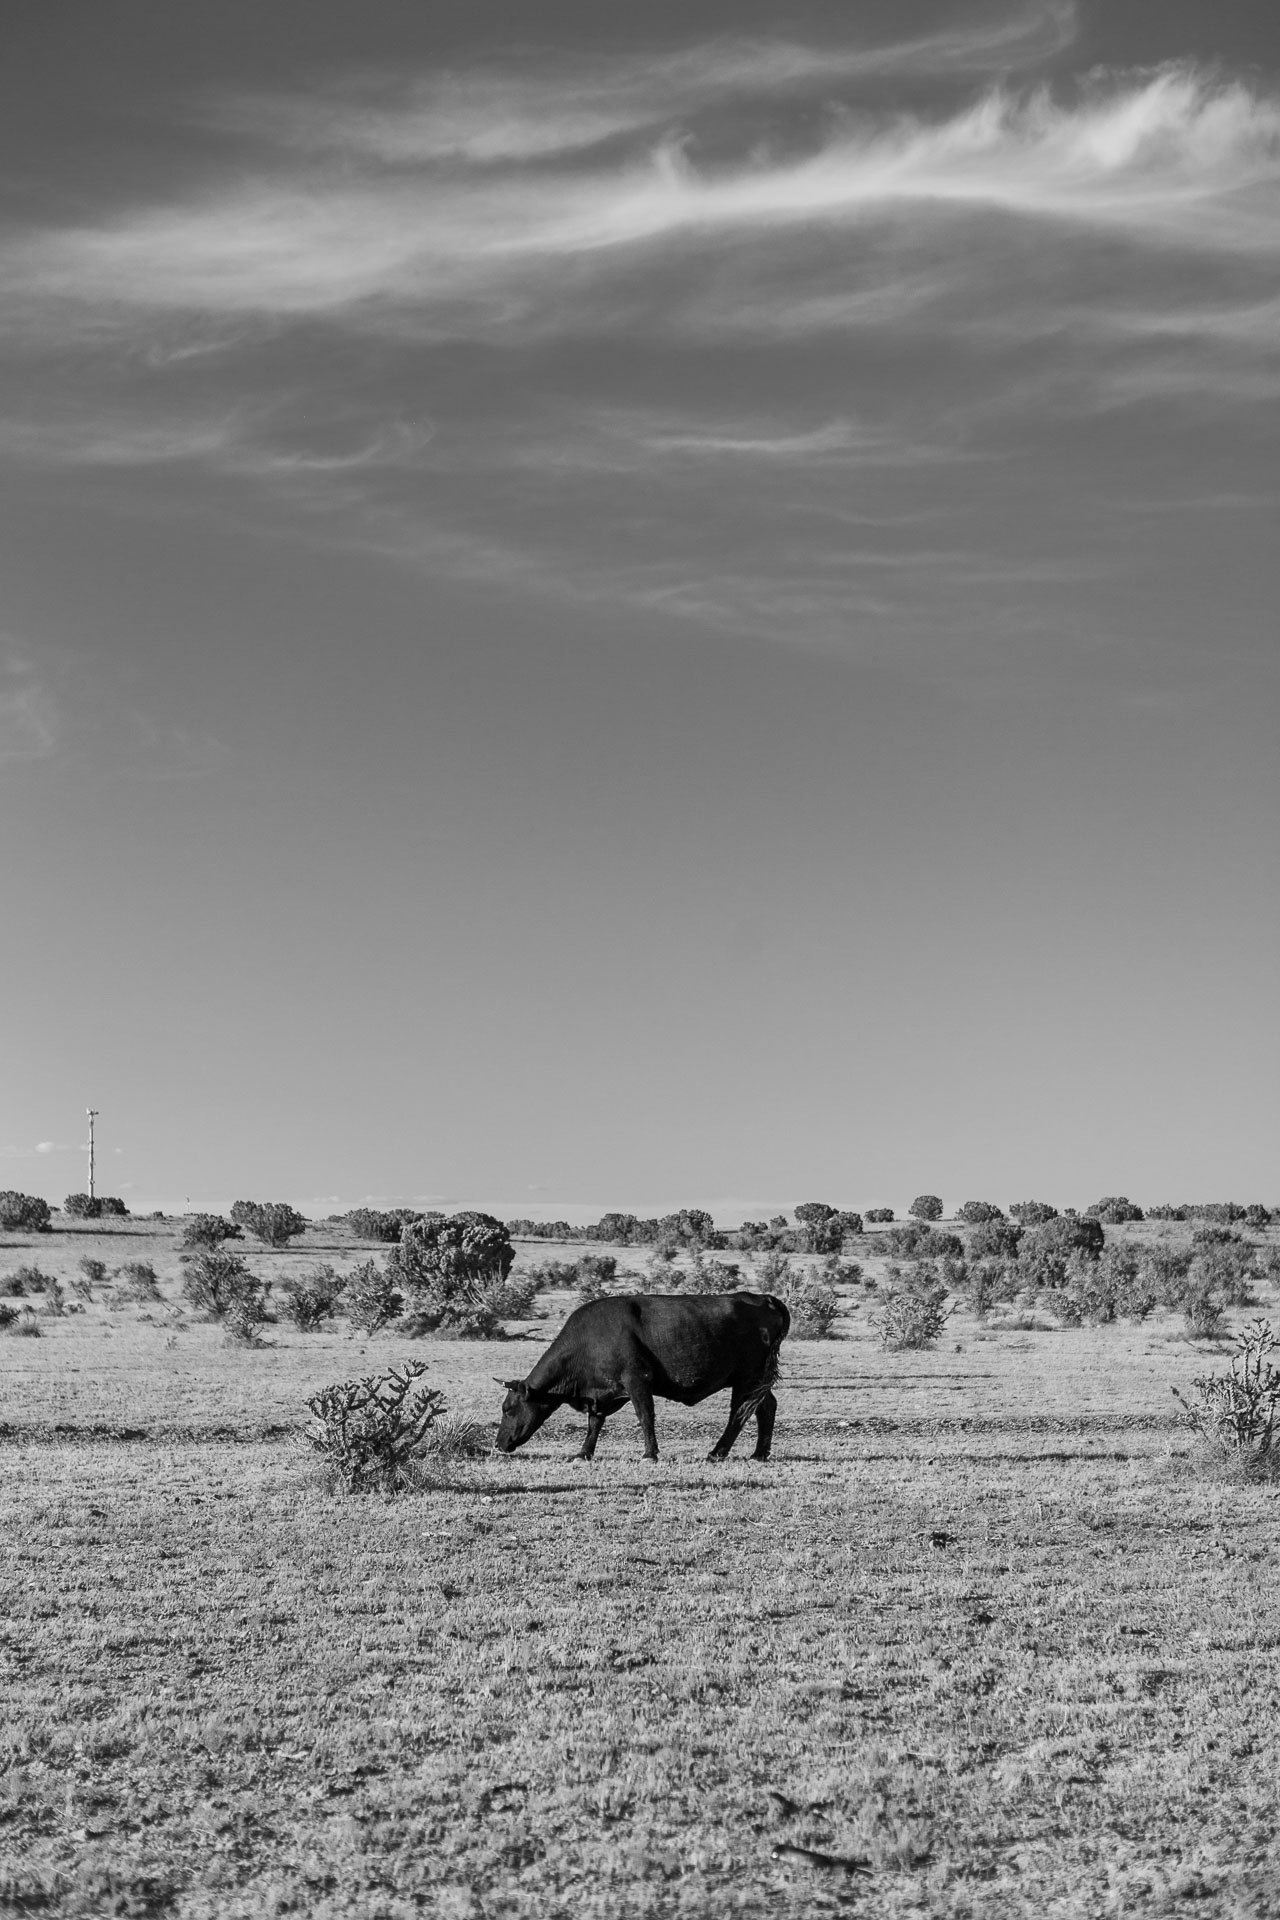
<point x="632" y="1346"/>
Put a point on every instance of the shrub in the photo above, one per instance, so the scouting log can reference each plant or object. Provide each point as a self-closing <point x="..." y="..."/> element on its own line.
<point x="1032" y="1213"/>
<point x="25" y="1279"/>
<point x="309" y="1301"/>
<point x="24" y="1322"/>
<point x="371" y="1297"/>
<point x="926" y="1206"/>
<point x="984" y="1284"/>
<point x="453" y="1272"/>
<point x="879" y="1216"/>
<point x="1225" y="1212"/>
<point x="369" y="1223"/>
<point x="94" y="1271"/>
<point x="1115" y="1209"/>
<point x="112" y="1207"/>
<point x="140" y="1281"/>
<point x="1227" y="1271"/>
<point x="8" y="1315"/>
<point x="1166" y="1212"/>
<point x="976" y="1213"/>
<point x="593" y="1274"/>
<point x="912" y="1313"/>
<point x="368" y="1432"/>
<point x="808" y="1295"/>
<point x="709" y="1276"/>
<point x="1257" y="1216"/>
<point x="274" y="1222"/>
<point x="55" y="1301"/>
<point x="207" y="1230"/>
<point x="1203" y="1310"/>
<point x="213" y="1281"/>
<point x="915" y="1241"/>
<point x="1235" y="1413"/>
<point x="1118" y="1284"/>
<point x="1047" y="1250"/>
<point x="82" y="1206"/>
<point x="243" y="1320"/>
<point x="995" y="1240"/>
<point x="23" y="1213"/>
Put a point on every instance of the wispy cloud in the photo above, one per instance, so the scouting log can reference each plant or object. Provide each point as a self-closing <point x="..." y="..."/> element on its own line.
<point x="489" y="115"/>
<point x="28" y="714"/>
<point x="1166" y="160"/>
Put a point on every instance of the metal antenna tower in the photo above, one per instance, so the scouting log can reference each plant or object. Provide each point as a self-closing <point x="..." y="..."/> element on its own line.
<point x="93" y="1114"/>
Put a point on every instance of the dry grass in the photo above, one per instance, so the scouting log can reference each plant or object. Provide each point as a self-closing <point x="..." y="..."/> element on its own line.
<point x="979" y="1624"/>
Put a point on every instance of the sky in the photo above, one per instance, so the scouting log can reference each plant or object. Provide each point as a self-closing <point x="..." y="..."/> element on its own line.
<point x="624" y="608"/>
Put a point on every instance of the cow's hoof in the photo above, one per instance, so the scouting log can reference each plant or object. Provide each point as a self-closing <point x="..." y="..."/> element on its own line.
<point x="715" y="1454"/>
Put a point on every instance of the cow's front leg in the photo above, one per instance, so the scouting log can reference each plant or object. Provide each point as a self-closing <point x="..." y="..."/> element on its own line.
<point x="638" y="1392"/>
<point x="595" y="1426"/>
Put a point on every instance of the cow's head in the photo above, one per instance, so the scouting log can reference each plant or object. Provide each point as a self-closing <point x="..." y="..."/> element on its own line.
<point x="522" y="1414"/>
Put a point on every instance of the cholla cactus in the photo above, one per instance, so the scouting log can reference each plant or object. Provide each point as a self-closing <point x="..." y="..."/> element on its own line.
<point x="1237" y="1410"/>
<point x="367" y="1431"/>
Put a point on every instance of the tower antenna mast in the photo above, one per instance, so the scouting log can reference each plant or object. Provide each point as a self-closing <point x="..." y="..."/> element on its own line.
<point x="93" y="1114"/>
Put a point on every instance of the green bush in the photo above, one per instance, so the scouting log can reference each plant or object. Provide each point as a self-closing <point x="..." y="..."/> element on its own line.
<point x="207" y="1230"/>
<point x="1047" y="1250"/>
<point x="975" y="1213"/>
<point x="24" y="1322"/>
<point x="912" y="1310"/>
<point x="994" y="1240"/>
<point x="1032" y="1213"/>
<point x="82" y="1206"/>
<point x="274" y="1222"/>
<point x="94" y="1271"/>
<point x="312" y="1299"/>
<point x="454" y="1272"/>
<point x="369" y="1432"/>
<point x="1116" y="1210"/>
<point x="212" y="1282"/>
<point x="593" y="1274"/>
<point x="1257" y="1217"/>
<point x="371" y="1297"/>
<point x="913" y="1240"/>
<point x="243" y="1320"/>
<point x="926" y="1206"/>
<point x="984" y="1283"/>
<point x="23" y="1213"/>
<point x="112" y="1207"/>
<point x="808" y="1294"/>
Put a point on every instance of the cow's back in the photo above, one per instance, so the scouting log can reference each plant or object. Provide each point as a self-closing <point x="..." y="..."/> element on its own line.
<point x="690" y="1345"/>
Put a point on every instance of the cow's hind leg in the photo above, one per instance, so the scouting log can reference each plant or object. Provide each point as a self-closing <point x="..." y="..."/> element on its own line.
<point x="740" y="1409"/>
<point x="766" y="1414"/>
<point x="638" y="1392"/>
<point x="595" y="1426"/>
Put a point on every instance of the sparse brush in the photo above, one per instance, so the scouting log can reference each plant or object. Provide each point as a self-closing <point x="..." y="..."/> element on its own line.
<point x="55" y="1300"/>
<point x="812" y="1302"/>
<point x="1203" y="1310"/>
<point x="243" y="1321"/>
<point x="705" y="1275"/>
<point x="94" y="1271"/>
<point x="312" y="1299"/>
<point x="24" y="1280"/>
<point x="212" y="1281"/>
<point x="208" y="1230"/>
<point x="25" y="1322"/>
<point x="1235" y="1412"/>
<point x="594" y="1274"/>
<point x="140" y="1283"/>
<point x="368" y="1432"/>
<point x="912" y="1313"/>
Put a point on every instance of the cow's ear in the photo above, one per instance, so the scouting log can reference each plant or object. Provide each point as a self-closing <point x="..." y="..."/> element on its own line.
<point x="514" y="1386"/>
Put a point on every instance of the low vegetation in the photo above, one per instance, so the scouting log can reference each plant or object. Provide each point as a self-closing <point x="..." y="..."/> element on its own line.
<point x="367" y="1432"/>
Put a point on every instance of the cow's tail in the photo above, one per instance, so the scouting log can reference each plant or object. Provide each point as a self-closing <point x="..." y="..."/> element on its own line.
<point x="773" y="1336"/>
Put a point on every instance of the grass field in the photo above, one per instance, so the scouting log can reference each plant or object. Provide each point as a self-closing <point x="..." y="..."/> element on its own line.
<point x="981" y="1627"/>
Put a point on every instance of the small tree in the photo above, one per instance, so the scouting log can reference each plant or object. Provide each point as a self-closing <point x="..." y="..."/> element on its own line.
<point x="207" y="1230"/>
<point x="370" y="1223"/>
<point x="995" y="1240"/>
<point x="879" y="1216"/>
<point x="926" y="1206"/>
<point x="274" y="1222"/>
<point x="369" y="1431"/>
<point x="975" y="1213"/>
<point x="82" y="1206"/>
<point x="23" y="1213"/>
<point x="1115" y="1209"/>
<point x="453" y="1272"/>
<point x="1032" y="1213"/>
